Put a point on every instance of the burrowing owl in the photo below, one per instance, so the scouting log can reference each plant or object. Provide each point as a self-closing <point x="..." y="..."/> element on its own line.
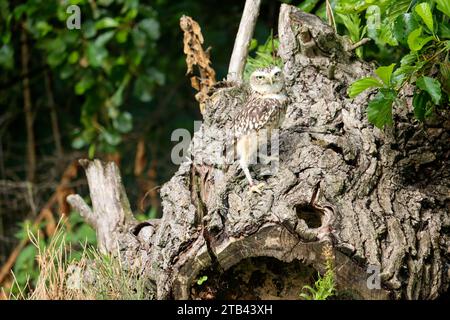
<point x="263" y="111"/>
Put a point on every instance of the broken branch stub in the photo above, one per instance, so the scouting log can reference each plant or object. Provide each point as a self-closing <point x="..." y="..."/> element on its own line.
<point x="110" y="214"/>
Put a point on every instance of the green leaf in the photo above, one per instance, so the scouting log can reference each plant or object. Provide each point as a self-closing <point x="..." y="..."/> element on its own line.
<point x="424" y="11"/>
<point x="7" y="56"/>
<point x="84" y="234"/>
<point x="150" y="27"/>
<point x="73" y="57"/>
<point x="66" y="71"/>
<point x="122" y="36"/>
<point x="143" y="88"/>
<point x="54" y="59"/>
<point x="373" y="17"/>
<point x="443" y="6"/>
<point x="415" y="41"/>
<point x="84" y="84"/>
<point x="96" y="54"/>
<point x="91" y="152"/>
<point x="78" y="143"/>
<point x="444" y="31"/>
<point x="111" y="137"/>
<point x="385" y="73"/>
<point x="379" y="110"/>
<point x="201" y="280"/>
<point x="104" y="38"/>
<point x="403" y="26"/>
<point x="400" y="74"/>
<point x="123" y="123"/>
<point x="308" y="5"/>
<point x="408" y="59"/>
<point x="420" y="101"/>
<point x="432" y="86"/>
<point x="380" y="27"/>
<point x="106" y="22"/>
<point x="362" y="84"/>
<point x="352" y="24"/>
<point x="105" y="3"/>
<point x="88" y="29"/>
<point x="43" y="27"/>
<point x="253" y="45"/>
<point x="26" y="257"/>
<point x="139" y="38"/>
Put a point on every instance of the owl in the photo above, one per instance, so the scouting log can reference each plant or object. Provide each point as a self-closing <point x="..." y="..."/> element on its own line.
<point x="264" y="111"/>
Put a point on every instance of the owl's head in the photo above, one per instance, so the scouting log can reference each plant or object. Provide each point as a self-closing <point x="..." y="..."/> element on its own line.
<point x="267" y="80"/>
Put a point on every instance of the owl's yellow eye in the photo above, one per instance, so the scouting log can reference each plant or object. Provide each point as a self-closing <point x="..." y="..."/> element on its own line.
<point x="259" y="77"/>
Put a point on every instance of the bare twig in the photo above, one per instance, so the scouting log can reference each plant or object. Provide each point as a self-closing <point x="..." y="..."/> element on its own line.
<point x="77" y="202"/>
<point x="243" y="39"/>
<point x="358" y="44"/>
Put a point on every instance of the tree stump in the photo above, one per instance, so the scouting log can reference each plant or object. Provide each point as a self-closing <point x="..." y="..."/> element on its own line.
<point x="381" y="198"/>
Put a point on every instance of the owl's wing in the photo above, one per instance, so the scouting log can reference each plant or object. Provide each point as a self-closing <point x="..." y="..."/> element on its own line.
<point x="255" y="115"/>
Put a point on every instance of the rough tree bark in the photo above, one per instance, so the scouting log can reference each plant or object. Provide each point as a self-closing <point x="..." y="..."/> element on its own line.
<point x="380" y="197"/>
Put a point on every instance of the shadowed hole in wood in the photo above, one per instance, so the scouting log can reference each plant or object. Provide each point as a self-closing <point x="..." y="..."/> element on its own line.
<point x="312" y="216"/>
<point x="255" y="279"/>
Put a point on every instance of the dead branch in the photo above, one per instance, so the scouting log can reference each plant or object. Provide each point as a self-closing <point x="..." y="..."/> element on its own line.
<point x="110" y="207"/>
<point x="243" y="39"/>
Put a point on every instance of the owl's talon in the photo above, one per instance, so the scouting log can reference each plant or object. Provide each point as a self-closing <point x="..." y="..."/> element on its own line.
<point x="257" y="188"/>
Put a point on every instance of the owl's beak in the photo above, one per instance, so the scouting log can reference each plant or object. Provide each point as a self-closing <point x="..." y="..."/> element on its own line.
<point x="271" y="80"/>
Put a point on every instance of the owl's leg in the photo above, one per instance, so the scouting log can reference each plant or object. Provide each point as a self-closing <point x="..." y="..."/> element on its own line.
<point x="246" y="149"/>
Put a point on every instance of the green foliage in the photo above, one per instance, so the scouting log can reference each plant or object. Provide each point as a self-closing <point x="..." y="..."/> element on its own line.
<point x="202" y="280"/>
<point x="352" y="23"/>
<point x="324" y="286"/>
<point x="379" y="110"/>
<point x="417" y="32"/>
<point x="264" y="55"/>
<point x="396" y="26"/>
<point x="109" y="62"/>
<point x="362" y="84"/>
<point x="431" y="86"/>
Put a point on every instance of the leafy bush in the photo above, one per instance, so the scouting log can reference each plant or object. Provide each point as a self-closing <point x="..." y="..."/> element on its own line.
<point x="412" y="34"/>
<point x="422" y="28"/>
<point x="112" y="56"/>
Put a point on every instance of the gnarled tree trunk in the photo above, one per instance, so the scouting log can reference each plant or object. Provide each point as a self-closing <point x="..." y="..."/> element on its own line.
<point x="381" y="198"/>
